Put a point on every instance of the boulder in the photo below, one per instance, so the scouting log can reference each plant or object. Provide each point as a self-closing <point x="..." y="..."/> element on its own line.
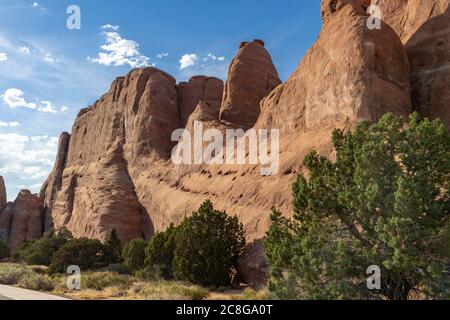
<point x="252" y="75"/>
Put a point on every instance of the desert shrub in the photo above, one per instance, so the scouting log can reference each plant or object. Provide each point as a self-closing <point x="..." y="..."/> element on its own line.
<point x="134" y="255"/>
<point x="385" y="201"/>
<point x="10" y="274"/>
<point x="102" y="280"/>
<point x="119" y="268"/>
<point x="41" y="251"/>
<point x="160" y="252"/>
<point x="169" y="290"/>
<point x="208" y="246"/>
<point x="4" y="250"/>
<point x="36" y="281"/>
<point x="114" y="247"/>
<point x="88" y="254"/>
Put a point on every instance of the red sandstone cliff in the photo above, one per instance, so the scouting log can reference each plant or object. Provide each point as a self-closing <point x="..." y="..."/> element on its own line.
<point x="114" y="169"/>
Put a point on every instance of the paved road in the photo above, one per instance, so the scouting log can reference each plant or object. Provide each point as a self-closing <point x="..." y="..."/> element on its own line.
<point x="14" y="293"/>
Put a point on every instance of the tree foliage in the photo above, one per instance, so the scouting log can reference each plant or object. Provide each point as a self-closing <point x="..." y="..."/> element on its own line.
<point x="41" y="251"/>
<point x="4" y="250"/>
<point x="88" y="254"/>
<point x="385" y="201"/>
<point x="208" y="246"/>
<point x="114" y="247"/>
<point x="134" y="255"/>
<point x="159" y="253"/>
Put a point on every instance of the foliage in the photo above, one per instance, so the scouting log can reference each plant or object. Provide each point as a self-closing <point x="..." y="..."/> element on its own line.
<point x="103" y="280"/>
<point x="385" y="201"/>
<point x="35" y="281"/>
<point x="10" y="274"/>
<point x="4" y="250"/>
<point x="134" y="255"/>
<point x="159" y="253"/>
<point x="86" y="253"/>
<point x="208" y="246"/>
<point x="41" y="251"/>
<point x="114" y="247"/>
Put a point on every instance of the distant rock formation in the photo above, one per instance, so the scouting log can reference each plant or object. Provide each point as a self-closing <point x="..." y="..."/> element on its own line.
<point x="20" y="220"/>
<point x="114" y="169"/>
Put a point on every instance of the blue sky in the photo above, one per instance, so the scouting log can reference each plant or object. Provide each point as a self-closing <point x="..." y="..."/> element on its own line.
<point x="48" y="72"/>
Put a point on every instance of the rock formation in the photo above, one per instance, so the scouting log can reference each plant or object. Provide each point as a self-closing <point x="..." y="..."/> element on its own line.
<point x="423" y="27"/>
<point x="251" y="77"/>
<point x="3" y="200"/>
<point x="20" y="220"/>
<point x="350" y="73"/>
<point x="114" y="169"/>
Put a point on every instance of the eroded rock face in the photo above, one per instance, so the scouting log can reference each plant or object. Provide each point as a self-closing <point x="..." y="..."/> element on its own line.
<point x="117" y="172"/>
<point x="26" y="222"/>
<point x="252" y="75"/>
<point x="198" y="89"/>
<point x="423" y="26"/>
<point x="3" y="199"/>
<point x="350" y="73"/>
<point x="5" y="222"/>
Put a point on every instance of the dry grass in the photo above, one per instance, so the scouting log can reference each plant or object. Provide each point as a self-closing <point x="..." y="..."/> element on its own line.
<point x="113" y="286"/>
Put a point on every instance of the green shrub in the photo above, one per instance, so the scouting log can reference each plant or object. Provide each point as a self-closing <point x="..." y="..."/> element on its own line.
<point x="385" y="201"/>
<point x="102" y="280"/>
<point x="36" y="281"/>
<point x="134" y="255"/>
<point x="88" y="254"/>
<point x="208" y="246"/>
<point x="160" y="252"/>
<point x="119" y="268"/>
<point x="114" y="247"/>
<point x="41" y="251"/>
<point x="4" y="250"/>
<point x="10" y="274"/>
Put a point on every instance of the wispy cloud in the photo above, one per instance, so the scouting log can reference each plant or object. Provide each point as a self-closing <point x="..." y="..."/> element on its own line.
<point x="9" y="124"/>
<point x="3" y="56"/>
<point x="162" y="55"/>
<point x="119" y="51"/>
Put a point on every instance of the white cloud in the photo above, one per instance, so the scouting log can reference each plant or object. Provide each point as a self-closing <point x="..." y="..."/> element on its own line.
<point x="64" y="108"/>
<point x="110" y="27"/>
<point x="35" y="4"/>
<point x="3" y="57"/>
<point x="29" y="157"/>
<point x="9" y="124"/>
<point x="188" y="60"/>
<point x="13" y="98"/>
<point x="162" y="55"/>
<point x="24" y="50"/>
<point x="120" y="52"/>
<point x="47" y="107"/>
